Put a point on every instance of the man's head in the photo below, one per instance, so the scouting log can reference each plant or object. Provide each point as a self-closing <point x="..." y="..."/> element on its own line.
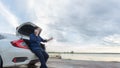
<point x="37" y="30"/>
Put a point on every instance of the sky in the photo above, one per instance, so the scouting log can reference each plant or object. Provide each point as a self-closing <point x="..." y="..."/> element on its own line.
<point x="79" y="23"/>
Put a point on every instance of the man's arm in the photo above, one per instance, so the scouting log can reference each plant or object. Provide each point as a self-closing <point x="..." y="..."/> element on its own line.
<point x="46" y="40"/>
<point x="50" y="39"/>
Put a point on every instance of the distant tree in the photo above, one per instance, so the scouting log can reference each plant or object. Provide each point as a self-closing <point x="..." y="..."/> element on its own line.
<point x="72" y="52"/>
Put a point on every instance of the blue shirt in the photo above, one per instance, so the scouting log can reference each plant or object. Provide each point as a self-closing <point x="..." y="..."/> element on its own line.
<point x="35" y="41"/>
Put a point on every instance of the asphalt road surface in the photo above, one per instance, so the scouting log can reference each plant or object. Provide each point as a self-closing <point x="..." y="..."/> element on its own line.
<point x="62" y="63"/>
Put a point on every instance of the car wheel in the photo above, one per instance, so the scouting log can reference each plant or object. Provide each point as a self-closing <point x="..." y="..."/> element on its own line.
<point x="1" y="62"/>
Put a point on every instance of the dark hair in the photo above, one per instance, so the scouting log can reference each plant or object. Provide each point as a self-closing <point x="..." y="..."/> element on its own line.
<point x="35" y="28"/>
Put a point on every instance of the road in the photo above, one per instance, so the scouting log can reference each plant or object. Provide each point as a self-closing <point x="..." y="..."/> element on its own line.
<point x="62" y="63"/>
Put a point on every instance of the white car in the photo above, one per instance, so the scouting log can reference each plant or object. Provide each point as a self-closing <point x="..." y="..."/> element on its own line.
<point x="14" y="49"/>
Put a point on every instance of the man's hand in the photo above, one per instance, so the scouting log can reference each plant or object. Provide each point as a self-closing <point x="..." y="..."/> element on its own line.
<point x="50" y="39"/>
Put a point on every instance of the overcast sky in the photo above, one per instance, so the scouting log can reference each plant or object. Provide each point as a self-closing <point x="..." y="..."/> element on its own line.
<point x="87" y="22"/>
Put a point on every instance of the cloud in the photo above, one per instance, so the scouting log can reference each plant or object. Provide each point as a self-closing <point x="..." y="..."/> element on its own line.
<point x="112" y="40"/>
<point x="71" y="21"/>
<point x="82" y="21"/>
<point x="11" y="18"/>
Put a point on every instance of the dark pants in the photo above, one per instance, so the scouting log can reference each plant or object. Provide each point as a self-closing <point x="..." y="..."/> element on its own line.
<point x="43" y="57"/>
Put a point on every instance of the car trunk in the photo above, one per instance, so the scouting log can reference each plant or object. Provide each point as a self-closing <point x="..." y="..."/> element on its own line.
<point x="25" y="29"/>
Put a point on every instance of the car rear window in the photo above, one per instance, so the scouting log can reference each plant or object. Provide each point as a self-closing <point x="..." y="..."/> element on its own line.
<point x="2" y="37"/>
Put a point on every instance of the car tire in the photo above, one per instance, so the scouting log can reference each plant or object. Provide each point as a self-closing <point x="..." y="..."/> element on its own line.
<point x="1" y="62"/>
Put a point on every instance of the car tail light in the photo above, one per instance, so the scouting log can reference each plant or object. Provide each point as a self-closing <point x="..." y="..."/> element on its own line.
<point x="19" y="43"/>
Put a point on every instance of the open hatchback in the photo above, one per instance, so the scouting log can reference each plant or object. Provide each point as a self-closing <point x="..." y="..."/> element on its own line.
<point x="23" y="31"/>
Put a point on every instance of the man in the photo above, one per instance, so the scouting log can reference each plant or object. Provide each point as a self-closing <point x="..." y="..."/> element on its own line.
<point x="35" y="47"/>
